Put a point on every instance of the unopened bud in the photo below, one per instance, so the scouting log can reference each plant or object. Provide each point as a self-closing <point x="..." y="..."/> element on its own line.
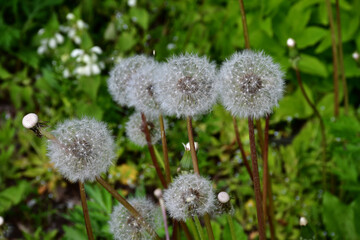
<point x="290" y="43"/>
<point x="30" y="120"/>
<point x="355" y="56"/>
<point x="303" y="221"/>
<point x="158" y="193"/>
<point x="187" y="146"/>
<point x="1" y="220"/>
<point x="223" y="197"/>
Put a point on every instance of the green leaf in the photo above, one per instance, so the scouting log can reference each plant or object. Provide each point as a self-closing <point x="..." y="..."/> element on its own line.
<point x="72" y="233"/>
<point x="90" y="85"/>
<point x="312" y="65"/>
<point x="125" y="42"/>
<point x="239" y="231"/>
<point x="141" y="16"/>
<point x="310" y="36"/>
<point x="13" y="195"/>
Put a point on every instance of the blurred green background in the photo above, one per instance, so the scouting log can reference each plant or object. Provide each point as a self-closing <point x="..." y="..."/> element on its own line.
<point x="40" y="72"/>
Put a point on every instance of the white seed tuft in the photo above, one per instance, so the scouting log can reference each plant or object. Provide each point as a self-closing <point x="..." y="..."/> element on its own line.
<point x="189" y="195"/>
<point x="125" y="227"/>
<point x="30" y="120"/>
<point x="250" y="84"/>
<point x="290" y="43"/>
<point x="186" y="86"/>
<point x="355" y="56"/>
<point x="83" y="149"/>
<point x="303" y="221"/>
<point x="223" y="197"/>
<point x="121" y="75"/>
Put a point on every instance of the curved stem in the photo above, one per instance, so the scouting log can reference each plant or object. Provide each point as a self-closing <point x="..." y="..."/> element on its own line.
<point x="231" y="226"/>
<point x="322" y="126"/>
<point x="256" y="178"/>
<point x="208" y="226"/>
<point x="243" y="19"/>
<point x="335" y="59"/>
<point x="192" y="145"/>
<point x="199" y="228"/>
<point x="186" y="230"/>
<point x="242" y="151"/>
<point x="128" y="206"/>
<point x="165" y="150"/>
<point x="163" y="211"/>
<point x="152" y="152"/>
<point x="85" y="211"/>
<point x="341" y="59"/>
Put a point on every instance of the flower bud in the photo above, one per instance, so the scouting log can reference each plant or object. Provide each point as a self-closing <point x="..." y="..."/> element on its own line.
<point x="30" y="120"/>
<point x="303" y="221"/>
<point x="223" y="197"/>
<point x="290" y="43"/>
<point x="158" y="193"/>
<point x="1" y="220"/>
<point x="355" y="56"/>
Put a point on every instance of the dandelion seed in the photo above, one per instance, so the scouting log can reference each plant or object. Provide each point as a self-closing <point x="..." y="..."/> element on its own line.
<point x="83" y="150"/>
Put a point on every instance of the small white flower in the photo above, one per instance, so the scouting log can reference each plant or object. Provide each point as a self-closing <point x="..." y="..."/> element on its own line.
<point x="42" y="49"/>
<point x="132" y="3"/>
<point x="30" y="120"/>
<point x="41" y="31"/>
<point x="76" y="52"/>
<point x="77" y="40"/>
<point x="84" y="58"/>
<point x="59" y="38"/>
<point x="96" y="49"/>
<point x="303" y="221"/>
<point x="290" y="43"/>
<point x="1" y="220"/>
<point x="66" y="73"/>
<point x="355" y="56"/>
<point x="70" y="16"/>
<point x="44" y="41"/>
<point x="81" y="24"/>
<point x="95" y="69"/>
<point x="52" y="43"/>
<point x="71" y="33"/>
<point x="170" y="46"/>
<point x="187" y="146"/>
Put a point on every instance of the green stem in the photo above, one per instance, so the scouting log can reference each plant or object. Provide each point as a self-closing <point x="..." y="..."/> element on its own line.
<point x="192" y="145"/>
<point x="165" y="150"/>
<point x="243" y="20"/>
<point x="231" y="225"/>
<point x="128" y="206"/>
<point x="208" y="226"/>
<point x="199" y="228"/>
<point x="186" y="230"/>
<point x="85" y="211"/>
<point x="193" y="228"/>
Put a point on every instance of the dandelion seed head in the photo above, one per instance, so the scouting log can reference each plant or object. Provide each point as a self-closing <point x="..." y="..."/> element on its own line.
<point x="126" y="227"/>
<point x="250" y="84"/>
<point x="121" y="74"/>
<point x="186" y="86"/>
<point x="83" y="149"/>
<point x="189" y="195"/>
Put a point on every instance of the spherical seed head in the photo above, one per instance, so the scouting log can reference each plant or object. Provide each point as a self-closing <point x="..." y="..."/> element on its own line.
<point x="121" y="74"/>
<point x="303" y="221"/>
<point x="135" y="129"/>
<point x="83" y="149"/>
<point x="290" y="43"/>
<point x="126" y="227"/>
<point x="250" y="84"/>
<point x="30" y="120"/>
<point x="158" y="193"/>
<point x="189" y="195"/>
<point x="223" y="197"/>
<point x="140" y="90"/>
<point x="186" y="86"/>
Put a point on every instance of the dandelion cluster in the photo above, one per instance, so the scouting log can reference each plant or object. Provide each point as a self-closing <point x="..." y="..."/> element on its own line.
<point x="189" y="195"/>
<point x="250" y="84"/>
<point x="121" y="75"/>
<point x="83" y="149"/>
<point x="186" y="86"/>
<point x="135" y="129"/>
<point x="126" y="227"/>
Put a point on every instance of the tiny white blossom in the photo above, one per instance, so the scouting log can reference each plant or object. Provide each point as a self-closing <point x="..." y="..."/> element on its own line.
<point x="290" y="43"/>
<point x="132" y="3"/>
<point x="41" y="31"/>
<point x="59" y="38"/>
<point x="96" y="49"/>
<point x="70" y="16"/>
<point x="1" y="220"/>
<point x="95" y="69"/>
<point x="77" y="40"/>
<point x="81" y="24"/>
<point x="52" y="43"/>
<point x="66" y="73"/>
<point x="76" y="52"/>
<point x="355" y="56"/>
<point x="72" y="33"/>
<point x="303" y="221"/>
<point x="41" y="50"/>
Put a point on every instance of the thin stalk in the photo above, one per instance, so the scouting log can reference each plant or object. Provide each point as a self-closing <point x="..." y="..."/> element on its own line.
<point x="231" y="226"/>
<point x="335" y="58"/>
<point x="322" y="126"/>
<point x="256" y="178"/>
<point x="186" y="230"/>
<point x="128" y="206"/>
<point x="243" y="19"/>
<point x="85" y="211"/>
<point x="208" y="226"/>
<point x="175" y="234"/>
<point x="267" y="192"/>
<point x="163" y="211"/>
<point x="260" y="134"/>
<point x="152" y="152"/>
<point x="193" y="228"/>
<point x="341" y="59"/>
<point x="192" y="145"/>
<point x="199" y="228"/>
<point x="242" y="151"/>
<point x="165" y="150"/>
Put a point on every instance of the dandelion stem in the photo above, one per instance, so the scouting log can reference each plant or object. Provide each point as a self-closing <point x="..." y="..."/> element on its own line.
<point x="163" y="211"/>
<point x="199" y="228"/>
<point x="193" y="228"/>
<point x="165" y="150"/>
<point x="128" y="206"/>
<point x="152" y="152"/>
<point x="243" y="19"/>
<point x="175" y="232"/>
<point x="270" y="212"/>
<point x="192" y="145"/>
<point x="231" y="226"/>
<point x="322" y="126"/>
<point x="85" y="211"/>
<point x="341" y="59"/>
<point x="186" y="230"/>
<point x="256" y="179"/>
<point x="242" y="151"/>
<point x="335" y="59"/>
<point x="208" y="226"/>
<point x="260" y="134"/>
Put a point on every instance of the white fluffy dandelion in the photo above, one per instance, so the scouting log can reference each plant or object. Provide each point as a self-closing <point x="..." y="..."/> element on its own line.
<point x="250" y="84"/>
<point x="121" y="75"/>
<point x="83" y="149"/>
<point x="135" y="130"/>
<point x="189" y="195"/>
<point x="140" y="90"/>
<point x="186" y="86"/>
<point x="126" y="227"/>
